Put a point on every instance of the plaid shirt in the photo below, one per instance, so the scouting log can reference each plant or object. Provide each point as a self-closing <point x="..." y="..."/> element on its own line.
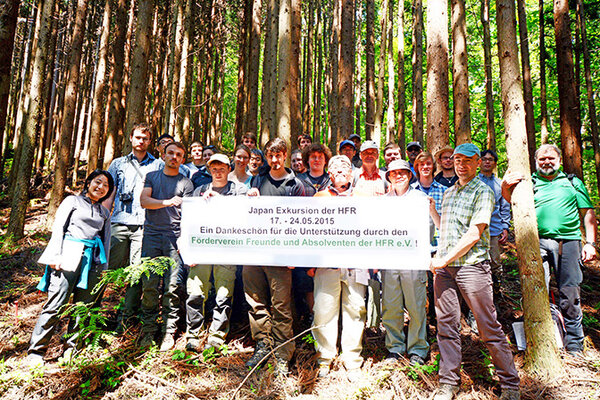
<point x="436" y="191"/>
<point x="463" y="207"/>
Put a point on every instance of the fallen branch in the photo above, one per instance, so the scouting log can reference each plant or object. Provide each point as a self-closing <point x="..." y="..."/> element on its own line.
<point x="163" y="381"/>
<point x="269" y="355"/>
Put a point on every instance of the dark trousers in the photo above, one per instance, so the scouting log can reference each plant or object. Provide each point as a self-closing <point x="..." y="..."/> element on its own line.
<point x="156" y="245"/>
<point x="474" y="283"/>
<point x="62" y="285"/>
<point x="562" y="259"/>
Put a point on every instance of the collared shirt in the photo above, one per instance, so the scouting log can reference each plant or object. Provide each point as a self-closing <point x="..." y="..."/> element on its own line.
<point x="366" y="184"/>
<point x="436" y="191"/>
<point x="501" y="215"/>
<point x="557" y="204"/>
<point x="462" y="208"/>
<point x="128" y="181"/>
<point x="445" y="181"/>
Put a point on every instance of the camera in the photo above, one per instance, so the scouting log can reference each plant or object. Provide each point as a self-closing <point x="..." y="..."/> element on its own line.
<point x="126" y="197"/>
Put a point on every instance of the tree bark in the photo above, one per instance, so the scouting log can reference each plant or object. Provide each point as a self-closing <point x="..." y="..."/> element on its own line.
<point x="489" y="90"/>
<point x="570" y="123"/>
<point x="527" y="86"/>
<point x="115" y="107"/>
<point x="242" y="82"/>
<point x="284" y="91"/>
<point x="334" y="56"/>
<point x="269" y="88"/>
<point x="174" y="108"/>
<point x="346" y="71"/>
<point x="401" y="94"/>
<point x="63" y="159"/>
<point x="417" y="72"/>
<point x="542" y="354"/>
<point x="307" y="79"/>
<point x="253" y="67"/>
<point x="381" y="72"/>
<point x="9" y="11"/>
<point x="370" y="71"/>
<point x="182" y="123"/>
<point x="589" y="89"/>
<point x="437" y="75"/>
<point x="358" y="81"/>
<point x="138" y="89"/>
<point x="319" y="77"/>
<point x="390" y="127"/>
<point x="460" y="74"/>
<point x="20" y="198"/>
<point x="99" y="91"/>
<point x="543" y="106"/>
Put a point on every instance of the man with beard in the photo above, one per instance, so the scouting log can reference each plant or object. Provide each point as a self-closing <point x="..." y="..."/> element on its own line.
<point x="446" y="176"/>
<point x="558" y="198"/>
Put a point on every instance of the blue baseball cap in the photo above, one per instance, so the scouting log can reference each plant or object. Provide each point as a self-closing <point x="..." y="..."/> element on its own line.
<point x="347" y="142"/>
<point x="467" y="149"/>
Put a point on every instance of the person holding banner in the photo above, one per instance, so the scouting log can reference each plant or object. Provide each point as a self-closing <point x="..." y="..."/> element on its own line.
<point x="267" y="287"/>
<point x="406" y="288"/>
<point x="335" y="286"/>
<point x="462" y="265"/>
<point x="162" y="197"/>
<point x="198" y="282"/>
<point x="75" y="256"/>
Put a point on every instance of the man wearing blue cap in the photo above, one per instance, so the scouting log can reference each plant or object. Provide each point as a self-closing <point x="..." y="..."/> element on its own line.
<point x="462" y="265"/>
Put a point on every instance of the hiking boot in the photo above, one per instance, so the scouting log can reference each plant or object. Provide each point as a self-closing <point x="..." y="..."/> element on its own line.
<point x="416" y="360"/>
<point x="168" y="342"/>
<point x="146" y="341"/>
<point x="446" y="392"/>
<point x="391" y="358"/>
<point x="510" y="394"/>
<point x="281" y="366"/>
<point x="212" y="343"/>
<point x="34" y="360"/>
<point x="192" y="345"/>
<point x="263" y="347"/>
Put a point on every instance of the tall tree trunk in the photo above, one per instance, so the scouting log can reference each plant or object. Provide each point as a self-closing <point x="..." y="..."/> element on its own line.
<point x="242" y="83"/>
<point x="253" y="67"/>
<point x="390" y="127"/>
<point x="570" y="123"/>
<point x="489" y="90"/>
<point x="589" y="89"/>
<point x="20" y="198"/>
<point x="218" y="81"/>
<point x="334" y="56"/>
<point x="160" y="44"/>
<point x="460" y="74"/>
<point x="307" y="79"/>
<point x="385" y="16"/>
<point x="138" y="89"/>
<point x="370" y="72"/>
<point x="63" y="159"/>
<point x="542" y="354"/>
<point x="9" y="11"/>
<point x="175" y="69"/>
<point x="527" y="87"/>
<point x="358" y="81"/>
<point x="184" y="90"/>
<point x="401" y="94"/>
<point x="437" y="75"/>
<point x="115" y="109"/>
<point x="99" y="91"/>
<point x="294" y="78"/>
<point x="269" y="77"/>
<point x="319" y="77"/>
<point x="543" y="106"/>
<point x="215" y="9"/>
<point x="346" y="71"/>
<point x="284" y="92"/>
<point x="417" y="72"/>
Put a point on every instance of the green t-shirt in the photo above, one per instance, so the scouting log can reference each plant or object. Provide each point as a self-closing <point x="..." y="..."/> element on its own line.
<point x="557" y="204"/>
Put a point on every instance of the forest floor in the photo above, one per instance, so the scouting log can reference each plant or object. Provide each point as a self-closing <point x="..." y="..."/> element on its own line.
<point x="117" y="369"/>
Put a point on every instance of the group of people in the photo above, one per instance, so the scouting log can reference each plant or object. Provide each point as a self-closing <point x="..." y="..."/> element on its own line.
<point x="469" y="217"/>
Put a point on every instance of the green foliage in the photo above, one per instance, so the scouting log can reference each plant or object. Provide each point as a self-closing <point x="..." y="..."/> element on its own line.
<point x="489" y="365"/>
<point x="309" y="338"/>
<point x="211" y="353"/>
<point x="134" y="272"/>
<point x="90" y="323"/>
<point x="414" y="371"/>
<point x="589" y="321"/>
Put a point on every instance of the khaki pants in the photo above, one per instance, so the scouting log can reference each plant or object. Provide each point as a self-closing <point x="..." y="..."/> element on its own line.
<point x="198" y="285"/>
<point x="335" y="287"/>
<point x="268" y="291"/>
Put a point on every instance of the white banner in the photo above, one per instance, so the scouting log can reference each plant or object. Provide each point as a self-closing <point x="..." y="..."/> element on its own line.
<point x="331" y="232"/>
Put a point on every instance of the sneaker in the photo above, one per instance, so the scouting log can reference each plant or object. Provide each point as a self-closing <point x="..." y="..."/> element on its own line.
<point x="472" y="323"/>
<point x="281" y="366"/>
<point x="211" y="343"/>
<point x="168" y="342"/>
<point x="391" y="358"/>
<point x="416" y="360"/>
<point x="262" y="349"/>
<point x="323" y="370"/>
<point x="147" y="340"/>
<point x="576" y="354"/>
<point x="446" y="392"/>
<point x="192" y="345"/>
<point x="34" y="360"/>
<point x="510" y="394"/>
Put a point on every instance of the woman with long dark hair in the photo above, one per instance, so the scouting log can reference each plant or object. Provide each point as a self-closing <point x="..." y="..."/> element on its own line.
<point x="76" y="255"/>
